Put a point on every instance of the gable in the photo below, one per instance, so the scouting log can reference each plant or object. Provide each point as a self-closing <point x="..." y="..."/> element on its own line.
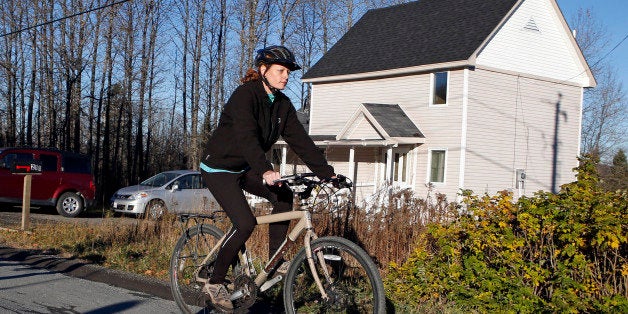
<point x="362" y="129"/>
<point x="535" y="40"/>
<point x="381" y="122"/>
<point x="412" y="34"/>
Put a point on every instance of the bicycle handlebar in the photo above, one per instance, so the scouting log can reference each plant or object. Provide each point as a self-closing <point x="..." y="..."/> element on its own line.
<point x="339" y="181"/>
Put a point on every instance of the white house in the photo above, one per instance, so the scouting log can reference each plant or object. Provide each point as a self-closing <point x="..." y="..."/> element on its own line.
<point x="444" y="95"/>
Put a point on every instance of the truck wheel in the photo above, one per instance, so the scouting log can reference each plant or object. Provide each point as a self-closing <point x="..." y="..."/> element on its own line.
<point x="70" y="205"/>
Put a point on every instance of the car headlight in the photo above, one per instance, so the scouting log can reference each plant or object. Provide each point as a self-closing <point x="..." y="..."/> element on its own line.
<point x="138" y="195"/>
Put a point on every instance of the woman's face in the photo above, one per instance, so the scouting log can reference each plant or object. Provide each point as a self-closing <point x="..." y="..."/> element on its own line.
<point x="276" y="75"/>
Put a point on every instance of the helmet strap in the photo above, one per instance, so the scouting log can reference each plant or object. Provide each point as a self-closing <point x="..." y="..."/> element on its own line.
<point x="265" y="80"/>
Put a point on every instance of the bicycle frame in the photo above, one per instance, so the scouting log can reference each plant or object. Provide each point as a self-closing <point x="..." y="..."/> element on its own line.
<point x="304" y="224"/>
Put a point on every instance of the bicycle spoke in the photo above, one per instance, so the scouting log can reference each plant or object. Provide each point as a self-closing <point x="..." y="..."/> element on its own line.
<point x="188" y="256"/>
<point x="352" y="283"/>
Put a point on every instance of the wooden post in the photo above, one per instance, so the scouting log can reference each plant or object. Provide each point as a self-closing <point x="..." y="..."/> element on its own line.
<point x="26" y="202"/>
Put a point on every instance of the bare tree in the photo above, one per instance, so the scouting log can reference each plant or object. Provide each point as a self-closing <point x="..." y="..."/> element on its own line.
<point x="605" y="107"/>
<point x="89" y="80"/>
<point x="11" y="17"/>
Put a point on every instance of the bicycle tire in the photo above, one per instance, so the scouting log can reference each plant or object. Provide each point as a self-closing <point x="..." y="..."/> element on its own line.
<point x="355" y="286"/>
<point x="190" y="250"/>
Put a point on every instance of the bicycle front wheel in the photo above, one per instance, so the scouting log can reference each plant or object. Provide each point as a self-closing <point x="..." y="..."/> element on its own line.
<point x="348" y="275"/>
<point x="187" y="258"/>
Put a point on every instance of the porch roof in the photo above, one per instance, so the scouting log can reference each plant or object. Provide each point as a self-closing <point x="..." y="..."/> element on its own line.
<point x="374" y="125"/>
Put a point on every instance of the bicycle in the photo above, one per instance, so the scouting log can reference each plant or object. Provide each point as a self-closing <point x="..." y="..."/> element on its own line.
<point x="327" y="274"/>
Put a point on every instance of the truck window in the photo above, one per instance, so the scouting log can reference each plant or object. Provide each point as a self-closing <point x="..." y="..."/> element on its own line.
<point x="48" y="162"/>
<point x="77" y="164"/>
<point x="11" y="158"/>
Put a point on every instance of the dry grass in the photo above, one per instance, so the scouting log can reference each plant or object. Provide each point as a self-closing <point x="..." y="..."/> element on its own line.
<point x="388" y="233"/>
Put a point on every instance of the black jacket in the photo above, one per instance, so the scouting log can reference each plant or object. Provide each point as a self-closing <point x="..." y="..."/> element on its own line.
<point x="250" y="125"/>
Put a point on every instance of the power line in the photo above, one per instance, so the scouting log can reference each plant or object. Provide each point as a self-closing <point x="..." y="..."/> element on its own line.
<point x="599" y="60"/>
<point x="608" y="53"/>
<point x="65" y="17"/>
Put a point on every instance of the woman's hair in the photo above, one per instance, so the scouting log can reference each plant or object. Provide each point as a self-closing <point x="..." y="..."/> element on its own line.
<point x="251" y="75"/>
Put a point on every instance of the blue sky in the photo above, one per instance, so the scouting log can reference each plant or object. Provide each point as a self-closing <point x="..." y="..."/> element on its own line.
<point x="612" y="14"/>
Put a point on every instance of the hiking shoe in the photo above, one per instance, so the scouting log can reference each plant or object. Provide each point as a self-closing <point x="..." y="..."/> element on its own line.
<point x="218" y="296"/>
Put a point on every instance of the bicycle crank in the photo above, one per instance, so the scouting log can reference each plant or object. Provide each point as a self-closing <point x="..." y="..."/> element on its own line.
<point x="244" y="292"/>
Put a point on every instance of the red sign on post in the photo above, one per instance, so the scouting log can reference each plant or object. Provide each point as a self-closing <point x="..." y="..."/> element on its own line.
<point x="26" y="167"/>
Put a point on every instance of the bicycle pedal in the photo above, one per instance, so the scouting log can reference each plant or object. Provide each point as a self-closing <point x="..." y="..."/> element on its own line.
<point x="270" y="283"/>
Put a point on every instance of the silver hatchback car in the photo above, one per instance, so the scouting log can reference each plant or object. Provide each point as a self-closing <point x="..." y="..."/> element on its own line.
<point x="178" y="191"/>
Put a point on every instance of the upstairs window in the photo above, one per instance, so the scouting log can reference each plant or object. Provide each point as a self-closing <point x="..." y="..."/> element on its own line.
<point x="440" y="82"/>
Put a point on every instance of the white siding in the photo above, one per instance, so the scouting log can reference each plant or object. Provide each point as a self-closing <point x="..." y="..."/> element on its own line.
<point x="511" y="122"/>
<point x="336" y="102"/>
<point x="441" y="125"/>
<point x="510" y="119"/>
<point x="363" y="129"/>
<point x="547" y="52"/>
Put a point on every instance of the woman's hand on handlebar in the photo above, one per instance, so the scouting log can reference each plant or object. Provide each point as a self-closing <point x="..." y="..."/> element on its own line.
<point x="272" y="178"/>
<point x="340" y="181"/>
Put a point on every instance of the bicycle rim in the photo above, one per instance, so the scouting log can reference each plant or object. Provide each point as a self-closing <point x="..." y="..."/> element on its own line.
<point x="353" y="283"/>
<point x="189" y="252"/>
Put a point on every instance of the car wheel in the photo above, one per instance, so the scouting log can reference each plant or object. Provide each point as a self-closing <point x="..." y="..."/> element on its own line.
<point x="70" y="204"/>
<point x="155" y="210"/>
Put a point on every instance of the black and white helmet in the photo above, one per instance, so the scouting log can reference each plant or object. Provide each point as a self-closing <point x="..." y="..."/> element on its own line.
<point x="276" y="54"/>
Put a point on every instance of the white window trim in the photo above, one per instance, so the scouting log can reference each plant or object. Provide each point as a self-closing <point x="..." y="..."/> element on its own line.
<point x="387" y="167"/>
<point x="429" y="166"/>
<point x="431" y="92"/>
<point x="404" y="163"/>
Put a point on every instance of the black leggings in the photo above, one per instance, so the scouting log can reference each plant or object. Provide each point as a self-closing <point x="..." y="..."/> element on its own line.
<point x="228" y="188"/>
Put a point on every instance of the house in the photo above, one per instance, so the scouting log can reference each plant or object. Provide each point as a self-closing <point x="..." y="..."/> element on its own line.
<point x="442" y="95"/>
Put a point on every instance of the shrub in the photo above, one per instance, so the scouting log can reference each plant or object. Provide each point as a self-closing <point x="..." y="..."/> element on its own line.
<point x="562" y="252"/>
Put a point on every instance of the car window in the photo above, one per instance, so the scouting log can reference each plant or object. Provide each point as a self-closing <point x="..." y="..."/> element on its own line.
<point x="11" y="158"/>
<point x="48" y="162"/>
<point x="185" y="182"/>
<point x="160" y="179"/>
<point x="197" y="182"/>
<point x="190" y="181"/>
<point x="77" y="164"/>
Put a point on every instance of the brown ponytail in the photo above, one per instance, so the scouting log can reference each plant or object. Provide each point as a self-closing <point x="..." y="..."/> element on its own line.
<point x="251" y="75"/>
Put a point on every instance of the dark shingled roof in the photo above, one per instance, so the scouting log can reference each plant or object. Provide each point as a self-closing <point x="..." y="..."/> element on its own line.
<point x="412" y="34"/>
<point x="394" y="120"/>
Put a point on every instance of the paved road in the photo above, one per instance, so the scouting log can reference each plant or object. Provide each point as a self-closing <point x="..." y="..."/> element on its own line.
<point x="31" y="283"/>
<point x="30" y="290"/>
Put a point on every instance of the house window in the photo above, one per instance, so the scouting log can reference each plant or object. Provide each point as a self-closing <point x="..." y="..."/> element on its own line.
<point x="398" y="169"/>
<point x="437" y="165"/>
<point x="440" y="80"/>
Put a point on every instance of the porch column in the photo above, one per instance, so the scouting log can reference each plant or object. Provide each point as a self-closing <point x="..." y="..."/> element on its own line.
<point x="284" y="152"/>
<point x="351" y="173"/>
<point x="415" y="165"/>
<point x="389" y="159"/>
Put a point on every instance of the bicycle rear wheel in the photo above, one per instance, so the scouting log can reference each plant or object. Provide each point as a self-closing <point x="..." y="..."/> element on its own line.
<point x="349" y="276"/>
<point x="189" y="252"/>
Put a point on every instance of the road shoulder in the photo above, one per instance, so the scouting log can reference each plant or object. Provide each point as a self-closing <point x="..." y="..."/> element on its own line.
<point x="86" y="270"/>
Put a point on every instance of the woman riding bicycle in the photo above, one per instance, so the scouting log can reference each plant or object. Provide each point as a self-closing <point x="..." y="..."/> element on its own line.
<point x="234" y="160"/>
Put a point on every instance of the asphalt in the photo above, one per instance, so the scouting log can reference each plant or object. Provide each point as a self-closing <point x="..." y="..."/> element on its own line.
<point x="85" y="270"/>
<point x="11" y="217"/>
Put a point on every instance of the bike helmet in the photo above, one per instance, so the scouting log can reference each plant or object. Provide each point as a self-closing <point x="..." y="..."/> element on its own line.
<point x="276" y="54"/>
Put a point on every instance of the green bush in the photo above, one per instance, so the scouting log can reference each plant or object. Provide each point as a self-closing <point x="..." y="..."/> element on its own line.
<point x="564" y="252"/>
